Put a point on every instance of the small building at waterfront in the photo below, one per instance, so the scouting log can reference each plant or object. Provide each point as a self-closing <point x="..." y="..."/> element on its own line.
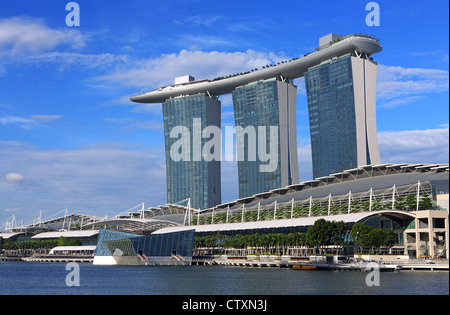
<point x="85" y="237"/>
<point x="119" y="248"/>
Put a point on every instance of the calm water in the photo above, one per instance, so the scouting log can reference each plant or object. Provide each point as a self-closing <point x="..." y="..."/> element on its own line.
<point x="46" y="278"/>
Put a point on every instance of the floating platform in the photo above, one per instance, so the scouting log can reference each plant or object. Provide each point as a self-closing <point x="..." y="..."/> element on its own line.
<point x="358" y="266"/>
<point x="10" y="258"/>
<point x="49" y="259"/>
<point x="430" y="267"/>
<point x="303" y="267"/>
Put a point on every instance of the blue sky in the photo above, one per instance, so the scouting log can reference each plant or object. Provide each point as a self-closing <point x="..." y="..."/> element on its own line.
<point x="70" y="137"/>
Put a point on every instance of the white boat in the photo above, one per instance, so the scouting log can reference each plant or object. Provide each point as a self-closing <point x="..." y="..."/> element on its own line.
<point x="342" y="263"/>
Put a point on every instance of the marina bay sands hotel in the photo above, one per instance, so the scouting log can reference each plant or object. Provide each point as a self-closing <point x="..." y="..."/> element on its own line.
<point x="340" y="78"/>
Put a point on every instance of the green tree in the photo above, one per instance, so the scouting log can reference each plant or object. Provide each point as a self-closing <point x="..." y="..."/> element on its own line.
<point x="369" y="237"/>
<point x="400" y="203"/>
<point x="389" y="238"/>
<point x="319" y="234"/>
<point x="377" y="205"/>
<point x="359" y="233"/>
<point x="74" y="242"/>
<point x="426" y="203"/>
<point x="381" y="238"/>
<point x="338" y="231"/>
<point x="375" y="239"/>
<point x="411" y="202"/>
<point x="62" y="241"/>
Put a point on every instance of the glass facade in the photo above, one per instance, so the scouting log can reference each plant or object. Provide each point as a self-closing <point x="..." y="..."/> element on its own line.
<point x="191" y="176"/>
<point x="177" y="243"/>
<point x="341" y="104"/>
<point x="106" y="236"/>
<point x="114" y="243"/>
<point x="332" y="117"/>
<point x="265" y="104"/>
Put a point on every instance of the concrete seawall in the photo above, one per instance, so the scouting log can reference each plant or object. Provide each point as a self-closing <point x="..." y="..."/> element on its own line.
<point x="287" y="262"/>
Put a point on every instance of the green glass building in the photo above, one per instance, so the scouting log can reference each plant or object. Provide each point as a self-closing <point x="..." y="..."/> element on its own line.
<point x="266" y="141"/>
<point x="341" y="95"/>
<point x="191" y="170"/>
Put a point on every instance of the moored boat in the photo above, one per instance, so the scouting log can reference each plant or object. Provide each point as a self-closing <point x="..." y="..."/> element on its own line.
<point x="303" y="267"/>
<point x="343" y="263"/>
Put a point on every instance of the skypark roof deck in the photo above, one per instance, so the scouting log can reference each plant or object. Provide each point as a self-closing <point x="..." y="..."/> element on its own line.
<point x="360" y="45"/>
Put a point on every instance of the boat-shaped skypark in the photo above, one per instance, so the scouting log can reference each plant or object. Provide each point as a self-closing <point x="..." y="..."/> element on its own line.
<point x="351" y="44"/>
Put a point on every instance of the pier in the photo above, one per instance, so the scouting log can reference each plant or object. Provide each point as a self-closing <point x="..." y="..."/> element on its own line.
<point x="263" y="262"/>
<point x="429" y="267"/>
<point x="287" y="262"/>
<point x="223" y="260"/>
<point x="59" y="259"/>
<point x="257" y="264"/>
<point x="10" y="258"/>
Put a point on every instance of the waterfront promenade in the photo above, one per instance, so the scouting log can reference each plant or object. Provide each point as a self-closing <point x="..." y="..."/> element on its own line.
<point x="243" y="262"/>
<point x="251" y="261"/>
<point x="48" y="259"/>
<point x="287" y="262"/>
<point x="62" y="259"/>
<point x="9" y="258"/>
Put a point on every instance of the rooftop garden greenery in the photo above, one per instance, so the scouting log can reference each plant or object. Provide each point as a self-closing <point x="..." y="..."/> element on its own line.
<point x="370" y="36"/>
<point x="317" y="207"/>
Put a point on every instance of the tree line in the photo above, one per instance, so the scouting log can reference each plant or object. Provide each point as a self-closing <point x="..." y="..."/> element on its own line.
<point x="368" y="237"/>
<point x="318" y="236"/>
<point x="33" y="246"/>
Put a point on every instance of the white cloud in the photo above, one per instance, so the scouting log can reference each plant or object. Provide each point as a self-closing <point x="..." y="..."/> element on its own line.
<point x="400" y="101"/>
<point x="226" y="100"/>
<point x="397" y="72"/>
<point x="14" y="177"/>
<point x="29" y="123"/>
<point x="160" y="71"/>
<point x="399" y="82"/>
<point x="25" y="123"/>
<point x="86" y="61"/>
<point x="199" y="20"/>
<point x="23" y="36"/>
<point x="47" y="118"/>
<point x="414" y="146"/>
<point x="31" y="41"/>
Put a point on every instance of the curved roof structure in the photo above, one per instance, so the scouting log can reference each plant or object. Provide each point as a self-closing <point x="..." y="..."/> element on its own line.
<point x="360" y="182"/>
<point x="67" y="234"/>
<point x="134" y="225"/>
<point x="57" y="224"/>
<point x="11" y="235"/>
<point x="289" y="70"/>
<point x="356" y="180"/>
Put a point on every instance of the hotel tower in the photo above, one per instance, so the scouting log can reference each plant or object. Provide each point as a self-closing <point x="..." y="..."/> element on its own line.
<point x="340" y="79"/>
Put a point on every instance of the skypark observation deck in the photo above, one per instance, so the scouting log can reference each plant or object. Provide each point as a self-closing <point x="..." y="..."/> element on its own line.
<point x="358" y="45"/>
